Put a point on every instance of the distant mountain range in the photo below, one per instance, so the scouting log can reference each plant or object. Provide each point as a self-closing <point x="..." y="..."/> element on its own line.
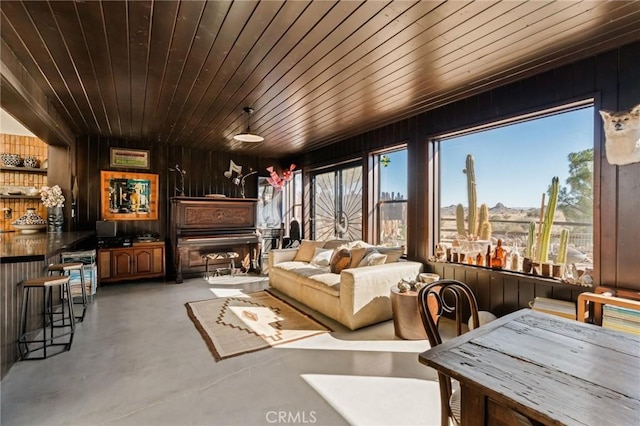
<point x="500" y="211"/>
<point x="499" y="208"/>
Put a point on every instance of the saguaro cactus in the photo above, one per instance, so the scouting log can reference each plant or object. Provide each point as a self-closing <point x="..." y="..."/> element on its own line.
<point x="562" y="249"/>
<point x="460" y="219"/>
<point x="471" y="194"/>
<point x="485" y="230"/>
<point x="549" y="214"/>
<point x="531" y="237"/>
<point x="484" y="213"/>
<point x="484" y="227"/>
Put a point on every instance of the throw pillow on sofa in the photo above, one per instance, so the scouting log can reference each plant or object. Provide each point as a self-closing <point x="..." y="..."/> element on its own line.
<point x="373" y="258"/>
<point x="340" y="260"/>
<point x="322" y="257"/>
<point x="393" y="253"/>
<point x="357" y="254"/>
<point x="307" y="250"/>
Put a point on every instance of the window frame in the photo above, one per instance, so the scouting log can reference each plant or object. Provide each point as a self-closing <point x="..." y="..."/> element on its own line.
<point x="376" y="197"/>
<point x="340" y="166"/>
<point x="434" y="167"/>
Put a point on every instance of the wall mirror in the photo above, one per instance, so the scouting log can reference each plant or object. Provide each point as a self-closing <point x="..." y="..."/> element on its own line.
<point x="129" y="196"/>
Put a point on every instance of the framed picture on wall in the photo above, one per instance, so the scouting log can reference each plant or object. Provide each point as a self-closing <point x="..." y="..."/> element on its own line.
<point x="129" y="158"/>
<point x="128" y="196"/>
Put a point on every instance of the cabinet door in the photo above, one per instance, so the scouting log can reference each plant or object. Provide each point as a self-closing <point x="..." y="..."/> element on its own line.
<point x="144" y="261"/>
<point x="149" y="260"/>
<point x="158" y="260"/>
<point x="121" y="263"/>
<point x="104" y="264"/>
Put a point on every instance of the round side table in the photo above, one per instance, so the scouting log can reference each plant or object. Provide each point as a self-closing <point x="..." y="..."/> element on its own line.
<point x="406" y="316"/>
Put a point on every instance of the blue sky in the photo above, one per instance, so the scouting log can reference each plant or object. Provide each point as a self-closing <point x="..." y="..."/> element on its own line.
<point x="514" y="164"/>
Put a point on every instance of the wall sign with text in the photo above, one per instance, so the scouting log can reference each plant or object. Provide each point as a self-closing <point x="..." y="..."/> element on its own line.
<point x="129" y="158"/>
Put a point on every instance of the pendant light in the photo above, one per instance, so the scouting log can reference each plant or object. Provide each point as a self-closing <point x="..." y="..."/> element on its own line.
<point x="248" y="136"/>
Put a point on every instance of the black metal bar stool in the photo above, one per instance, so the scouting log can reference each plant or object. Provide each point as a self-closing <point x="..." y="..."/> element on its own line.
<point x="46" y="335"/>
<point x="65" y="269"/>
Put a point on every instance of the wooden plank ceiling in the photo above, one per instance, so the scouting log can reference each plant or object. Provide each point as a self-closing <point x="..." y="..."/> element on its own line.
<point x="315" y="72"/>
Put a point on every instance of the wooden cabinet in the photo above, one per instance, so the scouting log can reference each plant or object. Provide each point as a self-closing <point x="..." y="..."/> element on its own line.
<point x="143" y="260"/>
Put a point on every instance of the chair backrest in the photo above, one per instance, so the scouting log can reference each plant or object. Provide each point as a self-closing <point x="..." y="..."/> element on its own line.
<point x="450" y="298"/>
<point x="294" y="231"/>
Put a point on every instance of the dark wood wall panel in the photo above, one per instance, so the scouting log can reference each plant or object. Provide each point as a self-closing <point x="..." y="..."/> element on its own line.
<point x="204" y="175"/>
<point x="613" y="80"/>
<point x="628" y="255"/>
<point x="605" y="201"/>
<point x="504" y="292"/>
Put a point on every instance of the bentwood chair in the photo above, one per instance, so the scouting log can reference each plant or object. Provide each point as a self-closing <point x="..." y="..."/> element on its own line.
<point x="453" y="298"/>
<point x="294" y="234"/>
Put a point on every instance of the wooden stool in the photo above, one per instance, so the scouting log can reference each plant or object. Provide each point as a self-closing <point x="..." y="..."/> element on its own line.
<point x="48" y="338"/>
<point x="218" y="256"/>
<point x="65" y="269"/>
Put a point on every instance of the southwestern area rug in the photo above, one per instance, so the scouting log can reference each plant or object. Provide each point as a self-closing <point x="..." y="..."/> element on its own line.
<point x="237" y="325"/>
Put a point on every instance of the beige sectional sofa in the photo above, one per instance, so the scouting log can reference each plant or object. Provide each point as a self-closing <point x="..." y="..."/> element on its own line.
<point x="356" y="297"/>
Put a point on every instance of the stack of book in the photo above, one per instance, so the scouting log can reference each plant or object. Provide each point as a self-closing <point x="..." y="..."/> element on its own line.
<point x="90" y="271"/>
<point x="560" y="308"/>
<point x="621" y="319"/>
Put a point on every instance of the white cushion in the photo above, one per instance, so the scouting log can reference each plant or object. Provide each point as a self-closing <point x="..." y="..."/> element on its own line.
<point x="373" y="258"/>
<point x="484" y="317"/>
<point x="303" y="268"/>
<point x="322" y="257"/>
<point x="307" y="250"/>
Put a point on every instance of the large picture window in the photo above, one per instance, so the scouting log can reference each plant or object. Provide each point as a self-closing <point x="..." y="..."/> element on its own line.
<point x="501" y="184"/>
<point x="391" y="211"/>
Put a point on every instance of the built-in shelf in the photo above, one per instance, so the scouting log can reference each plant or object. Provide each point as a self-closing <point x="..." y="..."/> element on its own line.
<point x="23" y="170"/>
<point x="24" y="197"/>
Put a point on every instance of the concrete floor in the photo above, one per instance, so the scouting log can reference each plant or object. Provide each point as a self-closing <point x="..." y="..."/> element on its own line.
<point x="137" y="359"/>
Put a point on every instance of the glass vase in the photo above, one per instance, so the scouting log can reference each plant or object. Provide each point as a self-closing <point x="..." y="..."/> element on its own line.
<point x="55" y="219"/>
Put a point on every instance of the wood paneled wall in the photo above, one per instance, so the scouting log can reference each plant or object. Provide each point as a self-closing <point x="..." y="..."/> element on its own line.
<point x="204" y="175"/>
<point x="504" y="292"/>
<point x="612" y="79"/>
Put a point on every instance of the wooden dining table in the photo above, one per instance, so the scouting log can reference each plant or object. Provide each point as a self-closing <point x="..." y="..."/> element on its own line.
<point x="552" y="370"/>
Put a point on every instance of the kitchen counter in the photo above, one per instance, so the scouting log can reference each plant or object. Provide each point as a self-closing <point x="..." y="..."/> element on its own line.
<point x="16" y="247"/>
<point x="22" y="257"/>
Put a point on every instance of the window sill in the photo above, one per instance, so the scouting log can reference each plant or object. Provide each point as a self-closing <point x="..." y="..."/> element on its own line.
<point x="507" y="272"/>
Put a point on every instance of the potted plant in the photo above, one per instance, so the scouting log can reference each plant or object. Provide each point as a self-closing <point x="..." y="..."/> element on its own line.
<point x="527" y="260"/>
<point x="53" y="200"/>
<point x="561" y="259"/>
